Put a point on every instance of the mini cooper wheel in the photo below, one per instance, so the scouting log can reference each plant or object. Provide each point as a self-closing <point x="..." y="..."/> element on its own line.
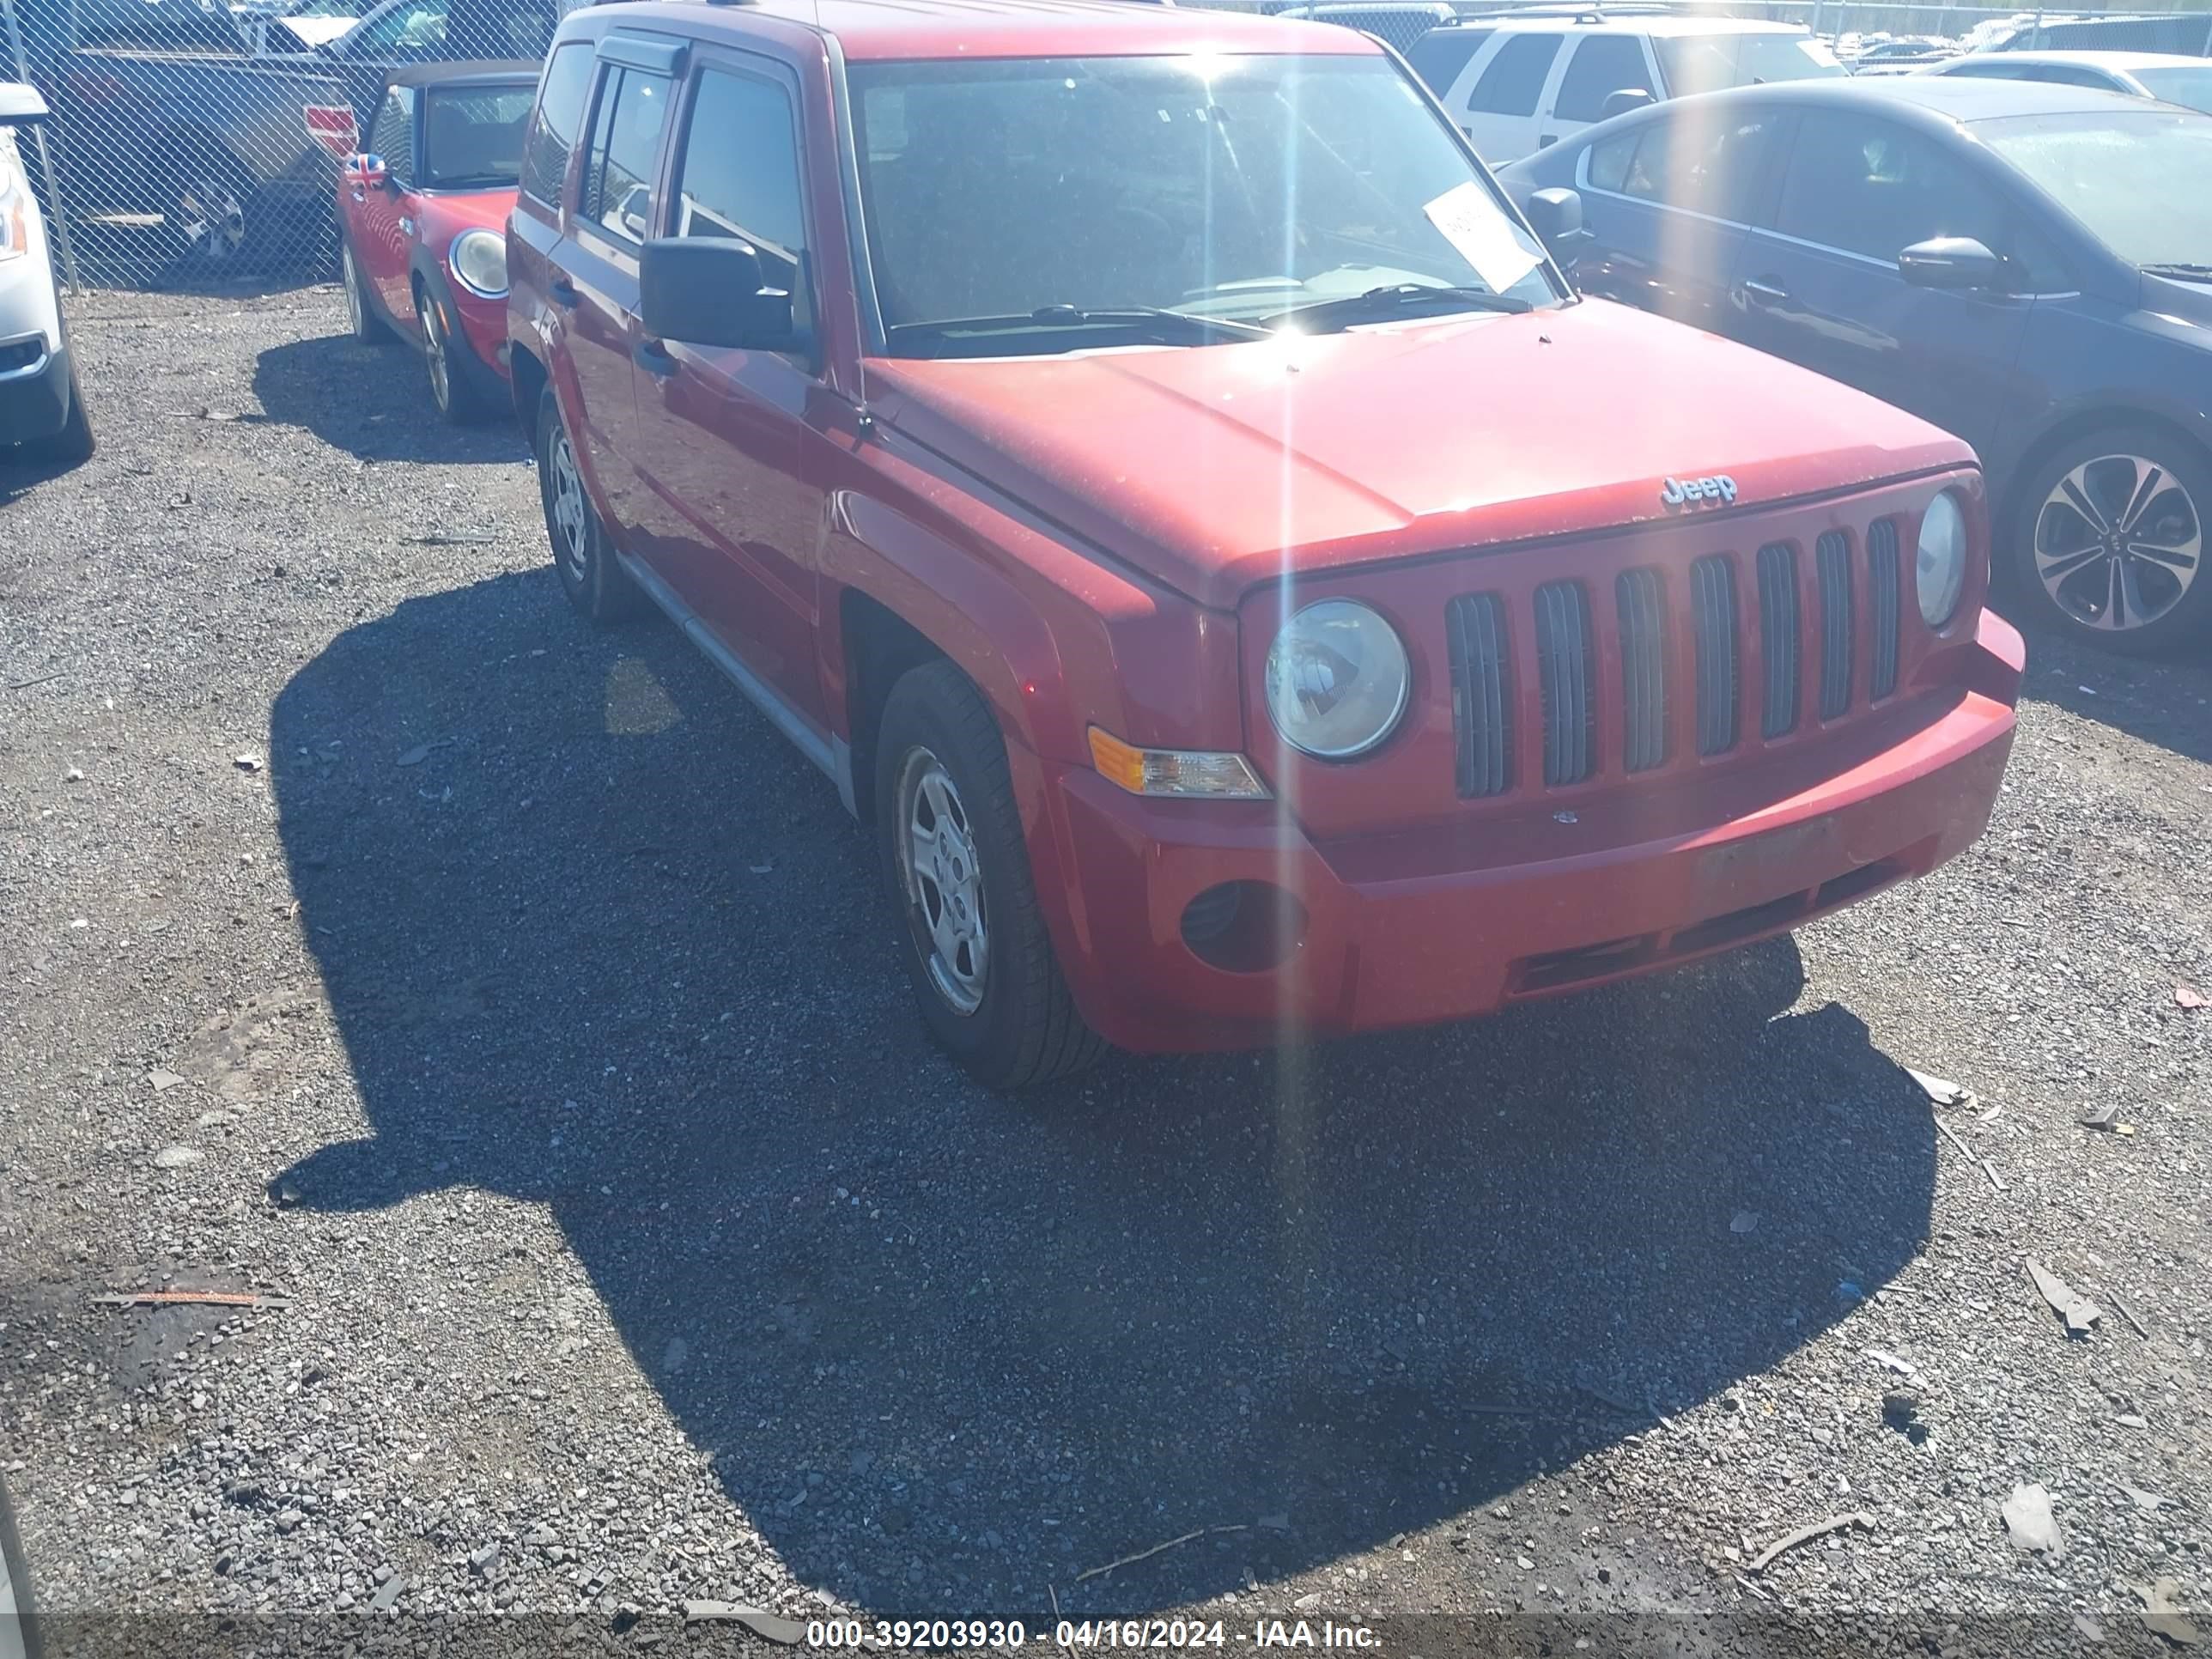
<point x="583" y="558"/>
<point x="362" y="320"/>
<point x="954" y="858"/>
<point x="448" y="357"/>
<point x="2111" y="541"/>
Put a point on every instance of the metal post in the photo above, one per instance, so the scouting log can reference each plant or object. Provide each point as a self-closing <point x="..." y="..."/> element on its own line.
<point x="2036" y="38"/>
<point x="59" y="226"/>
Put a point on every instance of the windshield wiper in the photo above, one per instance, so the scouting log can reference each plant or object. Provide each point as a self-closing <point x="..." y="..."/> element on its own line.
<point x="1182" y="326"/>
<point x="1399" y="296"/>
<point x="2187" y="273"/>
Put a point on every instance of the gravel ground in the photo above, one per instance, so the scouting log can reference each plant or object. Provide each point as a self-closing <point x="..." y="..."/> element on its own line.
<point x="510" y="999"/>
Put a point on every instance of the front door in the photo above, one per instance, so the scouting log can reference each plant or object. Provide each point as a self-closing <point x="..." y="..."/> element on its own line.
<point x="1603" y="63"/>
<point x="731" y="470"/>
<point x="375" y="214"/>
<point x="598" y="283"/>
<point x="1821" y="286"/>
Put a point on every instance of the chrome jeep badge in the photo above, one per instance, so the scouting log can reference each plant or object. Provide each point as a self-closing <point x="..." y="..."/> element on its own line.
<point x="1679" y="492"/>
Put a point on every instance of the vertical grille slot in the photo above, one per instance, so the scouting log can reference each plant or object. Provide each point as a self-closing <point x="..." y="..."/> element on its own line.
<point x="1643" y="668"/>
<point x="1778" y="635"/>
<point x="1833" y="554"/>
<point x="1565" y="665"/>
<point x="1482" y="701"/>
<point x="1883" y="574"/>
<point x="1712" y="598"/>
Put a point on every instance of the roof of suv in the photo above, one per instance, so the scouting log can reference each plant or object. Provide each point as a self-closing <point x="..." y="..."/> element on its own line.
<point x="1633" y="22"/>
<point x="999" y="28"/>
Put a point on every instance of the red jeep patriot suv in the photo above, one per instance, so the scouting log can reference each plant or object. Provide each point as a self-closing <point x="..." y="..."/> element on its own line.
<point x="1144" y="460"/>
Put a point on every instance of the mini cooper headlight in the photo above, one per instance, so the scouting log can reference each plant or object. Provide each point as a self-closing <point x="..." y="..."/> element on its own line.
<point x="1337" y="680"/>
<point x="1940" y="571"/>
<point x="479" y="262"/>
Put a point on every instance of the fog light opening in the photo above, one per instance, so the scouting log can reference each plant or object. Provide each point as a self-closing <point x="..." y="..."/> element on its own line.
<point x="1244" y="927"/>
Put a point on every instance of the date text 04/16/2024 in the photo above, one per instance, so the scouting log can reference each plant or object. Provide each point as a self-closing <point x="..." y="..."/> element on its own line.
<point x="954" y="1634"/>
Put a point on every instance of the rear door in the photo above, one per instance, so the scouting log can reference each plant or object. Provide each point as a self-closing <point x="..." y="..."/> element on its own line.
<point x="1669" y="201"/>
<point x="1603" y="62"/>
<point x="1820" y="285"/>
<point x="733" y="474"/>
<point x="596" y="279"/>
<point x="1509" y="84"/>
<point x="1443" y="58"/>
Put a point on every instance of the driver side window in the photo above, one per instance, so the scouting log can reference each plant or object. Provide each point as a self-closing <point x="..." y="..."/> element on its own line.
<point x="1875" y="189"/>
<point x="391" y="135"/>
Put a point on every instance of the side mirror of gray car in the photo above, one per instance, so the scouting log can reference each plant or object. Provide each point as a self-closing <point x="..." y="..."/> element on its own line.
<point x="1556" y="216"/>
<point x="1952" y="262"/>
<point x="709" y="291"/>
<point x="1623" y="101"/>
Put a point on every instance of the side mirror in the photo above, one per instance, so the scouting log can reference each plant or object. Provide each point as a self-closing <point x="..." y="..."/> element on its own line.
<point x="1950" y="262"/>
<point x="1622" y="102"/>
<point x="366" y="172"/>
<point x="21" y="105"/>
<point x="1556" y="216"/>
<point x="709" y="291"/>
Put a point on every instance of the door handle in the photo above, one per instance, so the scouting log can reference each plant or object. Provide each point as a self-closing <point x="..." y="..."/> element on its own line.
<point x="653" y="358"/>
<point x="1764" y="292"/>
<point x="1548" y="141"/>
<point x="564" y="293"/>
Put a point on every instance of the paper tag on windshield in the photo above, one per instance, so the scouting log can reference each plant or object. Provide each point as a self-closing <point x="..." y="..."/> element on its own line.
<point x="1485" y="237"/>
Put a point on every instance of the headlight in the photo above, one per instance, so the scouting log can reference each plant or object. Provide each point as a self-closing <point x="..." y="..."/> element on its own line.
<point x="1337" y="680"/>
<point x="479" y="260"/>
<point x="1940" y="572"/>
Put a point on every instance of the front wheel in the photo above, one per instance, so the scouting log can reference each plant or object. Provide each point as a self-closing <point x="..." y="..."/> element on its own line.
<point x="453" y="366"/>
<point x="2111" y="543"/>
<point x="954" y="858"/>
<point x="72" y="445"/>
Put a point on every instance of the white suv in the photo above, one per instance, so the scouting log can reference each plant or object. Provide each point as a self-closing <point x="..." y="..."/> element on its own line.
<point x="1518" y="82"/>
<point x="39" y="405"/>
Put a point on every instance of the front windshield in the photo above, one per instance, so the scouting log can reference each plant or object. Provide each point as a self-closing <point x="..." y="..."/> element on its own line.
<point x="2116" y="173"/>
<point x="1708" y="63"/>
<point x="1237" y="187"/>
<point x="472" y="135"/>
<point x="2188" y="86"/>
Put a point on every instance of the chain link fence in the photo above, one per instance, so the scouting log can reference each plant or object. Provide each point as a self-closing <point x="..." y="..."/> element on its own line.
<point x="196" y="141"/>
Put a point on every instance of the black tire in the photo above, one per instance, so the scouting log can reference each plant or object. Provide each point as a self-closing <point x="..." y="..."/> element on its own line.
<point x="456" y="387"/>
<point x="205" y="203"/>
<point x="583" y="557"/>
<point x="2144" y="490"/>
<point x="1023" y="1027"/>
<point x="73" y="445"/>
<point x="363" y="321"/>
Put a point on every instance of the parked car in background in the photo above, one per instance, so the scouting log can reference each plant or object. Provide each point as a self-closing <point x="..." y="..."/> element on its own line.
<point x="2028" y="267"/>
<point x="234" y="156"/>
<point x="2186" y="33"/>
<point x="1399" y="22"/>
<point x="1259" y="596"/>
<point x="1520" y="82"/>
<point x="1898" y="55"/>
<point x="423" y="225"/>
<point x="2167" y="77"/>
<point x="42" y="413"/>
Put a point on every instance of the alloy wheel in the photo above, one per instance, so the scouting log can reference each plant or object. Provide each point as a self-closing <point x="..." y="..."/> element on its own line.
<point x="2119" y="543"/>
<point x="355" y="319"/>
<point x="434" y="349"/>
<point x="211" y="220"/>
<point x="571" y="515"/>
<point x="942" y="879"/>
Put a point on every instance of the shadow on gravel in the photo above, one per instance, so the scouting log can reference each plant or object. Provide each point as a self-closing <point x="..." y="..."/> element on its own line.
<point x="612" y="947"/>
<point x="2166" y="700"/>
<point x="373" y="402"/>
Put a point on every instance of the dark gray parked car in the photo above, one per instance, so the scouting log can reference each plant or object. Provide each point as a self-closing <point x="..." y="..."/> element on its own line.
<point x="2028" y="266"/>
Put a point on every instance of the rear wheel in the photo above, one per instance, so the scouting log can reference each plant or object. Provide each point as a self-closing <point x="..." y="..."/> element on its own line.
<point x="976" y="950"/>
<point x="2110" y="541"/>
<point x="583" y="557"/>
<point x="361" y="320"/>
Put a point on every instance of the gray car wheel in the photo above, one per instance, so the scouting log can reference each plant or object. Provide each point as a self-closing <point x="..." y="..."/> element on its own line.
<point x="2113" y="541"/>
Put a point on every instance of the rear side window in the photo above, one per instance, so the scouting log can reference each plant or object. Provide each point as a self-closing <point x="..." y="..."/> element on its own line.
<point x="553" y="128"/>
<point x="1694" y="162"/>
<point x="392" y="134"/>
<point x="618" y="193"/>
<point x="1602" y="65"/>
<point x="1438" y="56"/>
<point x="739" y="177"/>
<point x="1515" y="78"/>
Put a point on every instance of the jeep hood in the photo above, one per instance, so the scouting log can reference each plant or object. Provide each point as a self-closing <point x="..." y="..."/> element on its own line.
<point x="1213" y="469"/>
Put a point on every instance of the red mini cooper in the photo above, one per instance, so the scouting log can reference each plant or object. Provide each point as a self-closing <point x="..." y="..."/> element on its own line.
<point x="423" y="220"/>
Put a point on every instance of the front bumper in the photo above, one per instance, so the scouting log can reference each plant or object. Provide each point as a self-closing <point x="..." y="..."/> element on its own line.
<point x="1410" y="928"/>
<point x="34" y="401"/>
